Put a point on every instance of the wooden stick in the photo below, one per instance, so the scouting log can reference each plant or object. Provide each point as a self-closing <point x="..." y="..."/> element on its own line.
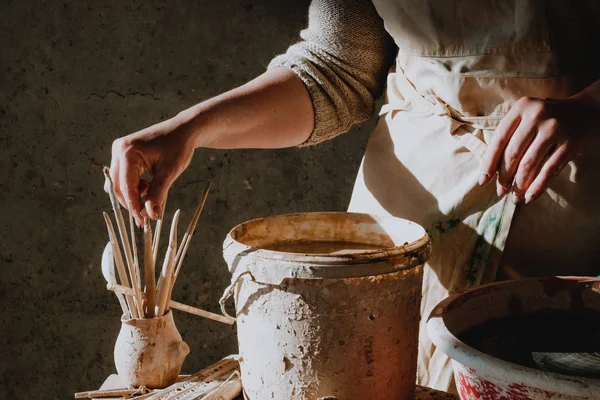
<point x="178" y="306"/>
<point x="111" y="393"/>
<point x="124" y="239"/>
<point x="149" y="270"/>
<point x="166" y="276"/>
<point x="190" y="230"/>
<point x="136" y="261"/>
<point x="201" y="313"/>
<point x="112" y="236"/>
<point x="157" y="230"/>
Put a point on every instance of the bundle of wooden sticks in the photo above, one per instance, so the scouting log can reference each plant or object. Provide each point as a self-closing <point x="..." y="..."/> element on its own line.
<point x="153" y="299"/>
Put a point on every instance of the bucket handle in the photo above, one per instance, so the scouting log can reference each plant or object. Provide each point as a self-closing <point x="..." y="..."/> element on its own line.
<point x="229" y="291"/>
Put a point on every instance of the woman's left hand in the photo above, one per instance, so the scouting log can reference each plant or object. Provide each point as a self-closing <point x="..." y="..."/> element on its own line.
<point x="535" y="140"/>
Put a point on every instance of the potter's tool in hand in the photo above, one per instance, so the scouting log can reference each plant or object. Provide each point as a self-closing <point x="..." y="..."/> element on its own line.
<point x="108" y="270"/>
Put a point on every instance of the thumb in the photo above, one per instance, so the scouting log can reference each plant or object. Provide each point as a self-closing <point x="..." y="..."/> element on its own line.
<point x="157" y="193"/>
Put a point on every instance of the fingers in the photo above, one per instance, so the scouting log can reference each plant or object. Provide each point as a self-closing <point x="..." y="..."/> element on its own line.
<point x="533" y="143"/>
<point x="157" y="193"/>
<point x="129" y="181"/>
<point x="504" y="132"/>
<point x="513" y="153"/>
<point x="125" y="172"/>
<point x="542" y="146"/>
<point x="550" y="169"/>
<point x="164" y="150"/>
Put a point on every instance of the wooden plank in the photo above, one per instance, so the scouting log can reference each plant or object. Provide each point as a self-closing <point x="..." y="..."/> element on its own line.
<point x="220" y="371"/>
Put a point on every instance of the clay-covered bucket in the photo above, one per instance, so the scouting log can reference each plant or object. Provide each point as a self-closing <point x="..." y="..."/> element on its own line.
<point x="482" y="376"/>
<point x="312" y="323"/>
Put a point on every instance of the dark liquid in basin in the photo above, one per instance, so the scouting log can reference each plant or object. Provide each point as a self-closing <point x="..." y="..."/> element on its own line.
<point x="322" y="247"/>
<point x="515" y="338"/>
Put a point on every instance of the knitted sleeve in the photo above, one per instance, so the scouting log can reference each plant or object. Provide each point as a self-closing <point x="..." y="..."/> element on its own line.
<point x="342" y="59"/>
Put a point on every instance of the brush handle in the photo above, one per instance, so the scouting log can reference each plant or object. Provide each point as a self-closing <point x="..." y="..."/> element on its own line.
<point x="149" y="273"/>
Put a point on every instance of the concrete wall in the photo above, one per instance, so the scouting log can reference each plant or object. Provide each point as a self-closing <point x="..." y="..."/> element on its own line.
<point x="76" y="75"/>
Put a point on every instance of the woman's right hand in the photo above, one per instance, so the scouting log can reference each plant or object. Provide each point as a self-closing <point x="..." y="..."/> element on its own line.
<point x="272" y="111"/>
<point x="165" y="150"/>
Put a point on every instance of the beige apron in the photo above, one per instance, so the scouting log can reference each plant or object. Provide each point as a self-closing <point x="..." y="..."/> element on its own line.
<point x="456" y="75"/>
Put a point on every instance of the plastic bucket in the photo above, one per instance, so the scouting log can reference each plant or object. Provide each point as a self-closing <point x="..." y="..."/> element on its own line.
<point x="314" y="324"/>
<point x="481" y="376"/>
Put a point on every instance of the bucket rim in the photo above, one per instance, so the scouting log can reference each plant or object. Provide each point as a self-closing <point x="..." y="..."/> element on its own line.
<point x="367" y="256"/>
<point x="273" y="267"/>
<point x="485" y="364"/>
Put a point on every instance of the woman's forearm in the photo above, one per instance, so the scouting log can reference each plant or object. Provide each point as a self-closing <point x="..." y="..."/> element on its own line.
<point x="272" y="111"/>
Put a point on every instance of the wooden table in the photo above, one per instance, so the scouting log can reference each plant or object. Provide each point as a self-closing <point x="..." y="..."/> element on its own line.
<point x="422" y="393"/>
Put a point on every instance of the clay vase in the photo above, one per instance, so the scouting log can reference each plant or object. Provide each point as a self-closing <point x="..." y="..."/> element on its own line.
<point x="150" y="351"/>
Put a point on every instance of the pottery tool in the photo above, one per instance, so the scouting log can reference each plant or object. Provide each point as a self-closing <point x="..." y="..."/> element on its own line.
<point x="166" y="276"/>
<point x="119" y="393"/>
<point x="181" y="252"/>
<point x="136" y="261"/>
<point x="190" y="230"/>
<point x="220" y="378"/>
<point x="120" y="265"/>
<point x="157" y="230"/>
<point x="227" y="390"/>
<point x="176" y="305"/>
<point x="155" y="299"/>
<point x="108" y="270"/>
<point x="124" y="241"/>
<point x="149" y="271"/>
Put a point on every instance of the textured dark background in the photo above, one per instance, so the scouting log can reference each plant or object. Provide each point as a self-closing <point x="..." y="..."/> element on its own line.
<point x="73" y="77"/>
